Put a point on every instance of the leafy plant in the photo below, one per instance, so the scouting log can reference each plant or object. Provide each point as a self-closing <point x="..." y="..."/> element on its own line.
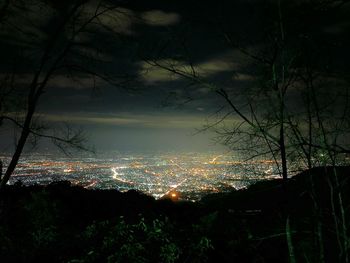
<point x="42" y="214"/>
<point x="140" y="242"/>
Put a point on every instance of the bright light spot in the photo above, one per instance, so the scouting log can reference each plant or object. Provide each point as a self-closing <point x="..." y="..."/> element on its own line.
<point x="173" y="195"/>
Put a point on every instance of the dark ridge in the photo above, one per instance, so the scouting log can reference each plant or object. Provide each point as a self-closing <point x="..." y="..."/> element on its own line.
<point x="63" y="223"/>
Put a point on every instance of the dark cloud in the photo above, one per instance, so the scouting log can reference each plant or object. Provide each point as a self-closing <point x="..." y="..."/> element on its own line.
<point x="179" y="31"/>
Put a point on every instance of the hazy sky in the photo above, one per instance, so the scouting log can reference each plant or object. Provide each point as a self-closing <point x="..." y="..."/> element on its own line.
<point x="153" y="109"/>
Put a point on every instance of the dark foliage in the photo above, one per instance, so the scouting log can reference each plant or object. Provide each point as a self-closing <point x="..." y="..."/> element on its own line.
<point x="64" y="223"/>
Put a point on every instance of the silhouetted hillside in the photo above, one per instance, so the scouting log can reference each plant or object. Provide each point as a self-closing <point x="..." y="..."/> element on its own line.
<point x="264" y="223"/>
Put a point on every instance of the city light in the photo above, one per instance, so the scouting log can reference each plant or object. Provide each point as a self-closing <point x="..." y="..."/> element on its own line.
<point x="190" y="175"/>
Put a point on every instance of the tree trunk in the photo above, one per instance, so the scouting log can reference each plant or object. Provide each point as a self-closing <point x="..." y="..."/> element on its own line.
<point x="283" y="154"/>
<point x="19" y="148"/>
<point x="0" y="170"/>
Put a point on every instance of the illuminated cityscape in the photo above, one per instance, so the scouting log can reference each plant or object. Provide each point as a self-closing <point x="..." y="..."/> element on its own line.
<point x="192" y="175"/>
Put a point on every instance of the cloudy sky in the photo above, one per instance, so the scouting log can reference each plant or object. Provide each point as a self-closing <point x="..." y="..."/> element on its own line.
<point x="106" y="85"/>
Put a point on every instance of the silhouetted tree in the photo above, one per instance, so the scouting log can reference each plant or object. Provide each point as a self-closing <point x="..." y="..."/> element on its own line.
<point x="43" y="40"/>
<point x="297" y="110"/>
<point x="283" y="115"/>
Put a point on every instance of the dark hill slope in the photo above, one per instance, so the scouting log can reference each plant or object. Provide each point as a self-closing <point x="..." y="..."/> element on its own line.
<point x="60" y="222"/>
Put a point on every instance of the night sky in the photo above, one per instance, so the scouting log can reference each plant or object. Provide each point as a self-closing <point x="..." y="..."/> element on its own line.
<point x="135" y="106"/>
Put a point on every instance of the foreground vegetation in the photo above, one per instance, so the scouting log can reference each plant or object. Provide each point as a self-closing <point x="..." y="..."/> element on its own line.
<point x="303" y="220"/>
